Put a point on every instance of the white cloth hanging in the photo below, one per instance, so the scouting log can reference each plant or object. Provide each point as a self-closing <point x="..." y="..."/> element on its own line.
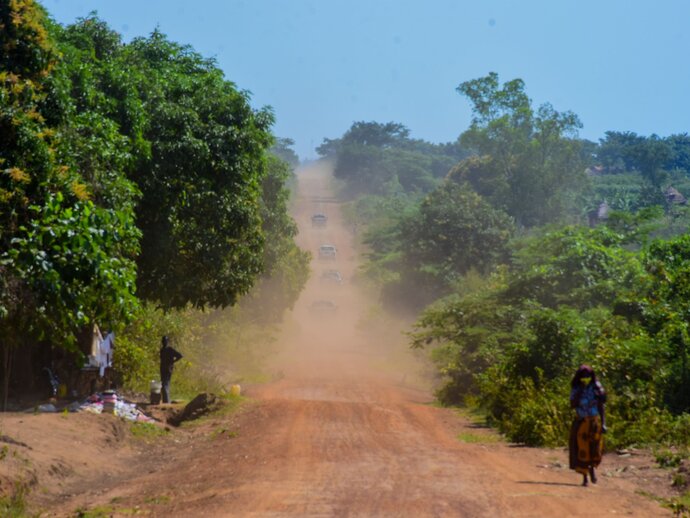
<point x="94" y="354"/>
<point x="106" y="352"/>
<point x="101" y="355"/>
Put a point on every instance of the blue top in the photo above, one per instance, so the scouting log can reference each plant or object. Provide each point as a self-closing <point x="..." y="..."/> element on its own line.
<point x="588" y="400"/>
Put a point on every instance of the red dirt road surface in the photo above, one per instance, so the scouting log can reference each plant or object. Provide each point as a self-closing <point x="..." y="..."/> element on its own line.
<point x="349" y="431"/>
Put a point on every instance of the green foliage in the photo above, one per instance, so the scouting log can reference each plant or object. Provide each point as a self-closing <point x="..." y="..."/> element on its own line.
<point x="135" y="164"/>
<point x="381" y="159"/>
<point x="66" y="250"/>
<point x="453" y="232"/>
<point x="541" y="415"/>
<point x="285" y="265"/>
<point x="27" y="49"/>
<point x="201" y="188"/>
<point x="570" y="297"/>
<point x="475" y="438"/>
<point x="220" y="347"/>
<point x="14" y="505"/>
<point x="76" y="272"/>
<point x="576" y="266"/>
<point x="650" y="156"/>
<point x="282" y="149"/>
<point x="670" y="459"/>
<point x="530" y="162"/>
<point x="146" y="431"/>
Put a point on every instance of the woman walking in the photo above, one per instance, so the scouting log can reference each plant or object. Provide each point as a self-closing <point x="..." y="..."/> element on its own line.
<point x="587" y="397"/>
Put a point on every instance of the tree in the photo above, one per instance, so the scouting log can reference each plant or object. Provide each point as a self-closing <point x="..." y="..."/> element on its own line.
<point x="533" y="158"/>
<point x="381" y="159"/>
<point x="282" y="148"/>
<point x="285" y="265"/>
<point x="615" y="150"/>
<point x="650" y="156"/>
<point x="66" y="247"/>
<point x="201" y="187"/>
<point x="376" y="134"/>
<point x="680" y="147"/>
<point x="361" y="151"/>
<point x="455" y="231"/>
<point x="575" y="266"/>
<point x="667" y="312"/>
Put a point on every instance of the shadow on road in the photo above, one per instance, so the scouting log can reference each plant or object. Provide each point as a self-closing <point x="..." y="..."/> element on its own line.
<point x="540" y="483"/>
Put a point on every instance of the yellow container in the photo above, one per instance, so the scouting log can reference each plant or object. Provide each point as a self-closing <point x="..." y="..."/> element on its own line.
<point x="235" y="390"/>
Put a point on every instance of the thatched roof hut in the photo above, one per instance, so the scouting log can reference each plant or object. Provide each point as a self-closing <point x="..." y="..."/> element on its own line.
<point x="673" y="197"/>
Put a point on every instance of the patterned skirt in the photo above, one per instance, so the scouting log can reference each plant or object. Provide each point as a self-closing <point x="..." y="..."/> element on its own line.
<point x="586" y="444"/>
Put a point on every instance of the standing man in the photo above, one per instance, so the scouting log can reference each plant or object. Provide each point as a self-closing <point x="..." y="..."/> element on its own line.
<point x="168" y="358"/>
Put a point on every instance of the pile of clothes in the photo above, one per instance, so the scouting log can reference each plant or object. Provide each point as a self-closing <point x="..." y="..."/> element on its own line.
<point x="109" y="402"/>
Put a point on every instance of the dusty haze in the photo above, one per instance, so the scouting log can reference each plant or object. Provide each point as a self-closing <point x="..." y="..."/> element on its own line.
<point x="358" y="339"/>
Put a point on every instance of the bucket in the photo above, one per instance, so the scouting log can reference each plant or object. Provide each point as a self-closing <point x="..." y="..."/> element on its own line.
<point x="155" y="396"/>
<point x="235" y="390"/>
<point x="109" y="398"/>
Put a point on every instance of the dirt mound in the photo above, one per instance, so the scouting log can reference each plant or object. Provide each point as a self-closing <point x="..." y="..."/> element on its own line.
<point x="201" y="405"/>
<point x="49" y="454"/>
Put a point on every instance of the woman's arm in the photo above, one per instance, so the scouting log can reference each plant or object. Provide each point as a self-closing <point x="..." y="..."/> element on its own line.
<point x="601" y="405"/>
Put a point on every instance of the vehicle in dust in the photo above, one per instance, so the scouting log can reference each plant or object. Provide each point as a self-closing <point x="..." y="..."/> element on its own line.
<point x="319" y="220"/>
<point x="327" y="252"/>
<point x="332" y="276"/>
<point x="323" y="306"/>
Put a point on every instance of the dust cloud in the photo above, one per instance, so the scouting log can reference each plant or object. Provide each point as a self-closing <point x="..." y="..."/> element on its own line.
<point x="356" y="339"/>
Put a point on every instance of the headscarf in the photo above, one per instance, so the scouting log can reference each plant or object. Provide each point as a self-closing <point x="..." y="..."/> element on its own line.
<point x="585" y="371"/>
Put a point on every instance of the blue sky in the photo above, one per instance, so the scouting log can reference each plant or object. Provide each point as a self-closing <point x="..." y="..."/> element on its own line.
<point x="323" y="64"/>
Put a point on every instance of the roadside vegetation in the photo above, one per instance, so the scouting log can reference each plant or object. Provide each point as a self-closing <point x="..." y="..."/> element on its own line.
<point x="525" y="251"/>
<point x="141" y="191"/>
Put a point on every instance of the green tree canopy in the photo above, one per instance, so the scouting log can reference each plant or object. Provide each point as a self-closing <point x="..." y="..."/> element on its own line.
<point x="531" y="162"/>
<point x="454" y="231"/>
<point x="380" y="159"/>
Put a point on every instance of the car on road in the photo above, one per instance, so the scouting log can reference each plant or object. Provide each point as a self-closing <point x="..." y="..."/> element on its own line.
<point x="332" y="276"/>
<point x="327" y="252"/>
<point x="319" y="220"/>
<point x="323" y="306"/>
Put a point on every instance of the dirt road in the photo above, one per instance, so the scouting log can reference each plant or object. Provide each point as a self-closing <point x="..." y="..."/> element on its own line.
<point x="346" y="431"/>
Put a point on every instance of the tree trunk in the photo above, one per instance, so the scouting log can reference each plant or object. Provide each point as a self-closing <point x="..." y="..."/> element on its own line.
<point x="6" y="372"/>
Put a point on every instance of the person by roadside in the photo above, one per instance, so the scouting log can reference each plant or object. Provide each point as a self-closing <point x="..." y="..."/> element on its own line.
<point x="586" y="444"/>
<point x="168" y="358"/>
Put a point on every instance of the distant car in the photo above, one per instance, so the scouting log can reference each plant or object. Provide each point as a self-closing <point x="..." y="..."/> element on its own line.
<point x="332" y="276"/>
<point x="323" y="306"/>
<point x="327" y="252"/>
<point x="319" y="220"/>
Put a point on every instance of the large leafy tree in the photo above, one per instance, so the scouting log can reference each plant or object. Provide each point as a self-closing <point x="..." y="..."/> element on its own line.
<point x="188" y="142"/>
<point x="380" y="159"/>
<point x="116" y="157"/>
<point x="66" y="247"/>
<point x="456" y="231"/>
<point x="453" y="232"/>
<point x="53" y="283"/>
<point x="201" y="187"/>
<point x="531" y="164"/>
